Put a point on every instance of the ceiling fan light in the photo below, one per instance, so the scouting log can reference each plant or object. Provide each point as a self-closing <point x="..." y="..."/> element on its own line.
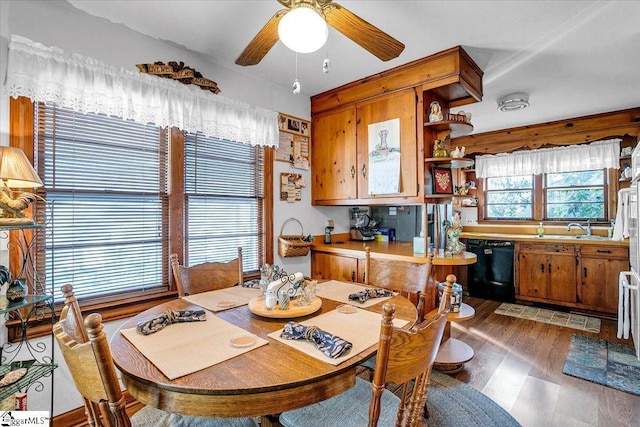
<point x="513" y="102"/>
<point x="303" y="29"/>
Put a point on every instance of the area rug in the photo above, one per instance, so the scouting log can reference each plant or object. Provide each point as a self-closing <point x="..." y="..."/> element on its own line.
<point x="575" y="321"/>
<point x="452" y="403"/>
<point x="603" y="362"/>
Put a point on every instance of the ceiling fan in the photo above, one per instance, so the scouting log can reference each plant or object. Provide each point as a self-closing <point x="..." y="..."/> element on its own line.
<point x="357" y="29"/>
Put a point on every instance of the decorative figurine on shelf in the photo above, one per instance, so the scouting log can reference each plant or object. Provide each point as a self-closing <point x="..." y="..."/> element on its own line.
<point x="5" y="281"/>
<point x="452" y="231"/>
<point x="458" y="153"/>
<point x="439" y="150"/>
<point x="435" y="114"/>
<point x="17" y="290"/>
<point x="463" y="189"/>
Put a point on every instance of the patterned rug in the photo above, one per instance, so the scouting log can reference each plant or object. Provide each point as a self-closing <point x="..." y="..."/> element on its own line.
<point x="452" y="403"/>
<point x="575" y="321"/>
<point x="603" y="362"/>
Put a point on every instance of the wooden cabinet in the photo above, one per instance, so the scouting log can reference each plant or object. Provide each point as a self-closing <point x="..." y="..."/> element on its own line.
<point x="599" y="270"/>
<point x="340" y="151"/>
<point x="580" y="275"/>
<point x="546" y="272"/>
<point x="333" y="157"/>
<point x="336" y="267"/>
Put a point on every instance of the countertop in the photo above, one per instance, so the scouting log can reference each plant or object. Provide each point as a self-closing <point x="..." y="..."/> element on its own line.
<point x="401" y="251"/>
<point x="547" y="238"/>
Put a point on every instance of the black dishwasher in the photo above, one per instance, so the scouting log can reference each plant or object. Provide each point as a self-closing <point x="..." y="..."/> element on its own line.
<point x="491" y="277"/>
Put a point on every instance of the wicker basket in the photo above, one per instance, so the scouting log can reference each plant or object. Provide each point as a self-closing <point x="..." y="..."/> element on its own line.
<point x="290" y="245"/>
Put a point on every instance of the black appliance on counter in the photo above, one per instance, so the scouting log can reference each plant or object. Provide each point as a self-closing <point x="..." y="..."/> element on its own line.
<point x="491" y="277"/>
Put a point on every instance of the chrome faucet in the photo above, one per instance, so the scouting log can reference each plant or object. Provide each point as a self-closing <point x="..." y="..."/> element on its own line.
<point x="587" y="230"/>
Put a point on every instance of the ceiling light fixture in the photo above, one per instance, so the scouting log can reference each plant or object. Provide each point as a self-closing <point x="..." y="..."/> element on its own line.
<point x="303" y="29"/>
<point x="513" y="102"/>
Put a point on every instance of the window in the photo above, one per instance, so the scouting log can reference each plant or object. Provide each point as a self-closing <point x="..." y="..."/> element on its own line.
<point x="107" y="183"/>
<point x="576" y="195"/>
<point x="224" y="200"/>
<point x="509" y="197"/>
<point x="564" y="196"/>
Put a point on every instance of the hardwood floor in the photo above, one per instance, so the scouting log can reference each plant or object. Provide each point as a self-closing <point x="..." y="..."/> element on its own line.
<point x="518" y="363"/>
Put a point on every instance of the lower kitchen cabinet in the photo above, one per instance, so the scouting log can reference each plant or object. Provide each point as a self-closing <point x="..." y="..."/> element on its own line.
<point x="580" y="276"/>
<point x="336" y="267"/>
<point x="546" y="272"/>
<point x="600" y="267"/>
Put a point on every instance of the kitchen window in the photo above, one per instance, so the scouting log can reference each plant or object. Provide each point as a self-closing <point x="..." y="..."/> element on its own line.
<point x="565" y="196"/>
<point x="566" y="183"/>
<point x="115" y="202"/>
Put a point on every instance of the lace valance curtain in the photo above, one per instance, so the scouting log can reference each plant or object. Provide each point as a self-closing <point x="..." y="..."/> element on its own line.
<point x="48" y="74"/>
<point x="573" y="158"/>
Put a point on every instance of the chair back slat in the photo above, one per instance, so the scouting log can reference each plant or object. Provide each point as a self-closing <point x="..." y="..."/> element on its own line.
<point x="85" y="349"/>
<point x="409" y="279"/>
<point x="407" y="355"/>
<point x="207" y="276"/>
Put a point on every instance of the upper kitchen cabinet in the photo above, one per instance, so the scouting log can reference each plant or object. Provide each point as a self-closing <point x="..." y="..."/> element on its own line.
<point x="350" y="123"/>
<point x="346" y="139"/>
<point x="333" y="156"/>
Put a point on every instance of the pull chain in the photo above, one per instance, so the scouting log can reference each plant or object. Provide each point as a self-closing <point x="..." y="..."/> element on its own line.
<point x="296" y="83"/>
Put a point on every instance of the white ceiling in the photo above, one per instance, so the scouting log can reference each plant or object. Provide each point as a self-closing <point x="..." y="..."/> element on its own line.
<point x="573" y="58"/>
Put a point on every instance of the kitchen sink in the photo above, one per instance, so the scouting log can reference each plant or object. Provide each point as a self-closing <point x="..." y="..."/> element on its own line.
<point x="572" y="237"/>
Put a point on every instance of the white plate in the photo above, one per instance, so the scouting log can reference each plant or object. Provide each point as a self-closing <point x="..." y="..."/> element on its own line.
<point x="242" y="340"/>
<point x="347" y="309"/>
<point x="226" y="303"/>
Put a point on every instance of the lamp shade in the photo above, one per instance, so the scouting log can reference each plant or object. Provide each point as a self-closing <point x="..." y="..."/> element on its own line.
<point x="303" y="29"/>
<point x="16" y="170"/>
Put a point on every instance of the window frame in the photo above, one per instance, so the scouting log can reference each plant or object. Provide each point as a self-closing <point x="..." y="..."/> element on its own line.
<point x="539" y="202"/>
<point x="21" y="135"/>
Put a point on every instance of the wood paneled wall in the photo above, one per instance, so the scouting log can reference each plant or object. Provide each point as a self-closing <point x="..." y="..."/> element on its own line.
<point x="562" y="132"/>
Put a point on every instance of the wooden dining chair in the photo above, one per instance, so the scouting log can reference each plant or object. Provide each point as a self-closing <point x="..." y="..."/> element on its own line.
<point x="86" y="351"/>
<point x="405" y="358"/>
<point x="407" y="278"/>
<point x="207" y="276"/>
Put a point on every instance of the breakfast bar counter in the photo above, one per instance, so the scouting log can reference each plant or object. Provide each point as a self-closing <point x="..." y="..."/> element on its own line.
<point x="400" y="251"/>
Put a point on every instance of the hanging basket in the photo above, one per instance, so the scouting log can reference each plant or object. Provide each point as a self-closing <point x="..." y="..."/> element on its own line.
<point x="290" y="245"/>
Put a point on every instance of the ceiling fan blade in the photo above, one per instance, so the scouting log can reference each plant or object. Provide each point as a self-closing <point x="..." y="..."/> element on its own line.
<point x="363" y="33"/>
<point x="262" y="42"/>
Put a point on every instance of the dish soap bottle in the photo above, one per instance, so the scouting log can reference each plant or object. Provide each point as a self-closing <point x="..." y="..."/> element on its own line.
<point x="540" y="229"/>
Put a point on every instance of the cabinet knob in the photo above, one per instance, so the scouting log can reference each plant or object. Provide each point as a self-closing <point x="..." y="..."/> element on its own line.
<point x="353" y="171"/>
<point x="363" y="171"/>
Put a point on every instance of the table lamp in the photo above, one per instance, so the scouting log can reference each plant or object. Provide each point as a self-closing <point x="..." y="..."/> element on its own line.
<point x="16" y="172"/>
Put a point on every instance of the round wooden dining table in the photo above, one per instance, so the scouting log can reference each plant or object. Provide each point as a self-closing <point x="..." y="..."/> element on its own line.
<point x="267" y="380"/>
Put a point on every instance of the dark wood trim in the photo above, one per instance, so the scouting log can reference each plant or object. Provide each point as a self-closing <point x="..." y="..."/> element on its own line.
<point x="269" y="158"/>
<point x="557" y="133"/>
<point x="176" y="199"/>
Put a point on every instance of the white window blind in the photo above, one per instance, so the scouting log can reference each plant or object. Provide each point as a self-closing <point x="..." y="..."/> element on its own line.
<point x="105" y="181"/>
<point x="224" y="191"/>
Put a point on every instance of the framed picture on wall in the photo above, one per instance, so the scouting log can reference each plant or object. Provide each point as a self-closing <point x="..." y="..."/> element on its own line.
<point x="442" y="180"/>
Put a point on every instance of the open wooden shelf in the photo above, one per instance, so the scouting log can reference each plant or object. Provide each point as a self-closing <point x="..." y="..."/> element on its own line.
<point x="457" y="128"/>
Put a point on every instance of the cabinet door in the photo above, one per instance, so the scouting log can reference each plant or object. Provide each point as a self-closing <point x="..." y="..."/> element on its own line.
<point x="397" y="106"/>
<point x="546" y="272"/>
<point x="600" y="268"/>
<point x="333" y="156"/>
<point x="329" y="266"/>
<point x="561" y="283"/>
<point x="532" y="274"/>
